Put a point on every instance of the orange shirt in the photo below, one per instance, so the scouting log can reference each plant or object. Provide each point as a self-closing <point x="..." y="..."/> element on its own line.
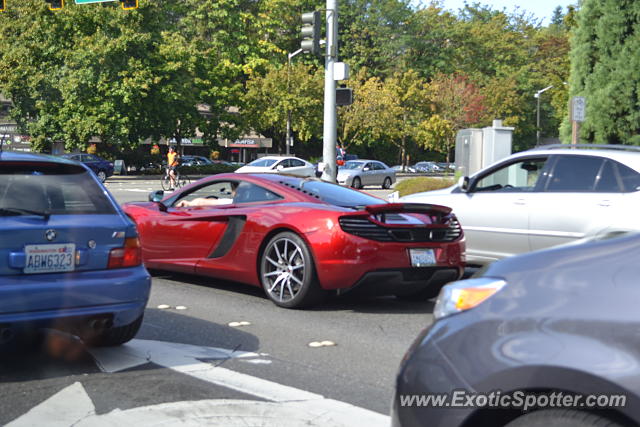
<point x="171" y="159"/>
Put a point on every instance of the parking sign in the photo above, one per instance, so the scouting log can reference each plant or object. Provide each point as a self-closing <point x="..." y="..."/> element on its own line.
<point x="578" y="105"/>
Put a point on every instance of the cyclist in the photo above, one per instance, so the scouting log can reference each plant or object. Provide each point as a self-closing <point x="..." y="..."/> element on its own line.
<point x="173" y="161"/>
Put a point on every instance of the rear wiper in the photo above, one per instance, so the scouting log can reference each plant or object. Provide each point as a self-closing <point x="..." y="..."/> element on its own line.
<point x="20" y="211"/>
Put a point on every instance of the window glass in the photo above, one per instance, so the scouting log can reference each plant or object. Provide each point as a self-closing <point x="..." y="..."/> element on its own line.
<point x="215" y="190"/>
<point x="284" y="163"/>
<point x="574" y="173"/>
<point x="630" y="178"/>
<point x="57" y="189"/>
<point x="352" y="165"/>
<point x="520" y="176"/>
<point x="340" y="196"/>
<point x="379" y="166"/>
<point x="606" y="181"/>
<point x="296" y="163"/>
<point x="263" y="162"/>
<point x="248" y="193"/>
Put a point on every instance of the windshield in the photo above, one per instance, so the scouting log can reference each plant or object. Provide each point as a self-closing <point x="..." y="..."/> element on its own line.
<point x="263" y="162"/>
<point x="352" y="165"/>
<point x="340" y="196"/>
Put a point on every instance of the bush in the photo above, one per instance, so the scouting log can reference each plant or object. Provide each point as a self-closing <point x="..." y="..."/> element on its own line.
<point x="194" y="170"/>
<point x="420" y="184"/>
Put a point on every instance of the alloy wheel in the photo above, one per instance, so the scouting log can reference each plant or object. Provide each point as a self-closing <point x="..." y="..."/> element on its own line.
<point x="284" y="269"/>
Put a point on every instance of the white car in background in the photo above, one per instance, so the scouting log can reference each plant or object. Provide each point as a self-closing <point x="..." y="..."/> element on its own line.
<point x="544" y="197"/>
<point x="358" y="173"/>
<point x="277" y="164"/>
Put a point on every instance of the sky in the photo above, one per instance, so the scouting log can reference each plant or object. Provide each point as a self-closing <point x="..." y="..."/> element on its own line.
<point x="542" y="9"/>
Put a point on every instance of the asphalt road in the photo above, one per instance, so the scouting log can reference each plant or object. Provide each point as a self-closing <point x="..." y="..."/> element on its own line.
<point x="220" y="353"/>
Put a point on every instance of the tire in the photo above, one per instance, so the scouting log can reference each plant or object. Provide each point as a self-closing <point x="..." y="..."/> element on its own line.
<point x="561" y="418"/>
<point x="102" y="176"/>
<point x="287" y="272"/>
<point x="356" y="183"/>
<point x="386" y="184"/>
<point x="166" y="183"/>
<point x="115" y="336"/>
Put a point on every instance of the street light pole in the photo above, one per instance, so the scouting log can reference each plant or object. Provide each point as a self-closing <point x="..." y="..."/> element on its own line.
<point x="537" y="95"/>
<point x="288" y="137"/>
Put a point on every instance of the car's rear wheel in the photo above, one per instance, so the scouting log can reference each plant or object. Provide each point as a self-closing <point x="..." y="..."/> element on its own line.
<point x="287" y="272"/>
<point x="387" y="183"/>
<point x="356" y="183"/>
<point x="113" y="336"/>
<point x="102" y="176"/>
<point x="561" y="418"/>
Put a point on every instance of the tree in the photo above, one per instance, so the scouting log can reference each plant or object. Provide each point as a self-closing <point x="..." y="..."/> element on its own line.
<point x="458" y="103"/>
<point x="604" y="63"/>
<point x="271" y="97"/>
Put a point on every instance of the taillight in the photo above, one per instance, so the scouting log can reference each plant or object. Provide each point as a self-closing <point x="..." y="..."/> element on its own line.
<point x="128" y="256"/>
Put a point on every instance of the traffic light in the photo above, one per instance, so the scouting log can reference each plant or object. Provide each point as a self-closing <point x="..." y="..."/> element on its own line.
<point x="55" y="4"/>
<point x="310" y="33"/>
<point x="129" y="4"/>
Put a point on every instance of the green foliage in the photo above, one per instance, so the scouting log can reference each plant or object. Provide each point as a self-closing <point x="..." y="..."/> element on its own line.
<point x="420" y="184"/>
<point x="218" y="68"/>
<point x="298" y="90"/>
<point x="604" y="69"/>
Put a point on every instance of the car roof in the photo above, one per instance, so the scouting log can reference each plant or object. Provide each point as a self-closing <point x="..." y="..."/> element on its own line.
<point x="626" y="155"/>
<point x="278" y="158"/>
<point x="15" y="156"/>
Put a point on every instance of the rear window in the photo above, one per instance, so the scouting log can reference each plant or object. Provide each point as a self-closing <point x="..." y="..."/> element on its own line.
<point x="51" y="188"/>
<point x="340" y="196"/>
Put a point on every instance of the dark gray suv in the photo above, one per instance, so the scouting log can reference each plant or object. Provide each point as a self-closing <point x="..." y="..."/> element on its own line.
<point x="550" y="338"/>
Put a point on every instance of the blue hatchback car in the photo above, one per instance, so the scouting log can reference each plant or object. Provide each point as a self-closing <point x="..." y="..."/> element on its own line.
<point x="70" y="258"/>
<point x="101" y="167"/>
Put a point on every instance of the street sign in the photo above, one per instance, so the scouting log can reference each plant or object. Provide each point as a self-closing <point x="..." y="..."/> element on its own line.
<point x="578" y="106"/>
<point x="92" y="1"/>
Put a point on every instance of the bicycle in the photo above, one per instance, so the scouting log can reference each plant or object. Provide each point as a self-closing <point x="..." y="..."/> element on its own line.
<point x="181" y="180"/>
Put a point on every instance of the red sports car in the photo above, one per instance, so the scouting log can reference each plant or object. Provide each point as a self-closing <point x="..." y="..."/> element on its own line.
<point x="299" y="238"/>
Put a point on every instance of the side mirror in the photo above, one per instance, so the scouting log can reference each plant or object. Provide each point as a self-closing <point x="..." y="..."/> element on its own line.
<point x="280" y="167"/>
<point x="464" y="183"/>
<point x="156" y="196"/>
<point x="366" y="169"/>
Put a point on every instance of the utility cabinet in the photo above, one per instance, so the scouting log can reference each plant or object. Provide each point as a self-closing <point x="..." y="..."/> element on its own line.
<point x="479" y="148"/>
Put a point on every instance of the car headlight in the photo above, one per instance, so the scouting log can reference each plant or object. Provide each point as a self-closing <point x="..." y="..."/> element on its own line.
<point x="465" y="294"/>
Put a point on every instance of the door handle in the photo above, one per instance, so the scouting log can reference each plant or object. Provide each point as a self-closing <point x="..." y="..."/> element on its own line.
<point x="520" y="202"/>
<point x="604" y="203"/>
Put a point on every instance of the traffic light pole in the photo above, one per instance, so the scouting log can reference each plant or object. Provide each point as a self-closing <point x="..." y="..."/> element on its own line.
<point x="330" y="134"/>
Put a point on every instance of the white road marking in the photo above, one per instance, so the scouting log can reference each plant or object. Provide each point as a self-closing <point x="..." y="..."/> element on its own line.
<point x="183" y="358"/>
<point x="63" y="409"/>
<point x="72" y="406"/>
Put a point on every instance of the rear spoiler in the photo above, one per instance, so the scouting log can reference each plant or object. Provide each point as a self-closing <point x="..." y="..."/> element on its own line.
<point x="419" y="208"/>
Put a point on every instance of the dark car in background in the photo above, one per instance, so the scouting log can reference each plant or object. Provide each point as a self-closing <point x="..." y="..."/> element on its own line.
<point x="562" y="320"/>
<point x="195" y="161"/>
<point x="101" y="167"/>
<point x="69" y="257"/>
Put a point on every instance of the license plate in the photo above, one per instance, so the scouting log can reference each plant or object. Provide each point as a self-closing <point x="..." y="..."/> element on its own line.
<point x="49" y="258"/>
<point x="422" y="257"/>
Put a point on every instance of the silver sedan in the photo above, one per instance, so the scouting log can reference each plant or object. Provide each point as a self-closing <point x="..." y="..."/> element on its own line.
<point x="358" y="173"/>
